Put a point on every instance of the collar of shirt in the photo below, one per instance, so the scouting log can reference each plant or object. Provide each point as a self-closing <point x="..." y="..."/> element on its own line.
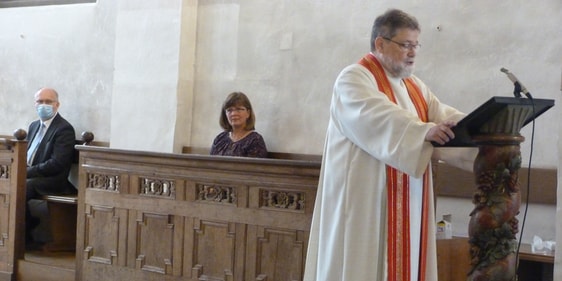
<point x="48" y="122"/>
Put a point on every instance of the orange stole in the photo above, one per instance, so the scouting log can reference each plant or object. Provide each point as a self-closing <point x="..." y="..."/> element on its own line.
<point x="398" y="189"/>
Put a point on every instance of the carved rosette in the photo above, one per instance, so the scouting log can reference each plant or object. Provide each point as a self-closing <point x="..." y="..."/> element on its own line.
<point x="4" y="171"/>
<point x="493" y="225"/>
<point x="216" y="194"/>
<point x="104" y="182"/>
<point x="280" y="199"/>
<point x="157" y="187"/>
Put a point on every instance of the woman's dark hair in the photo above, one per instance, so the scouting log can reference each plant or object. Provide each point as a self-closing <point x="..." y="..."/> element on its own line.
<point x="237" y="99"/>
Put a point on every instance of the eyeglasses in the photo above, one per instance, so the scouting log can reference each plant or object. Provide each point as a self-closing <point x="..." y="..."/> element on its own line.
<point x="45" y="101"/>
<point x="405" y="46"/>
<point x="231" y="110"/>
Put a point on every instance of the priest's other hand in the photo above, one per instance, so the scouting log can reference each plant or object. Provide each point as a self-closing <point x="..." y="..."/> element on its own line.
<point x="441" y="132"/>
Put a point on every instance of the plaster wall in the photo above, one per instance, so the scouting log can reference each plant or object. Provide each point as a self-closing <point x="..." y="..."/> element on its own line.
<point x="151" y="74"/>
<point x="146" y="75"/>
<point x="67" y="47"/>
<point x="286" y="54"/>
<point x="123" y="58"/>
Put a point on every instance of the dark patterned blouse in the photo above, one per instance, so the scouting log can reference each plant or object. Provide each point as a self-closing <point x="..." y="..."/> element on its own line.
<point x="252" y="145"/>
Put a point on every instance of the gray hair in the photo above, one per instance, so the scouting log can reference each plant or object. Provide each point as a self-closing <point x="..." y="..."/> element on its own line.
<point x="387" y="24"/>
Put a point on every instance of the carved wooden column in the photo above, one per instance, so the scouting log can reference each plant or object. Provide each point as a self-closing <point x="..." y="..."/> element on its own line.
<point x="494" y="128"/>
<point x="493" y="224"/>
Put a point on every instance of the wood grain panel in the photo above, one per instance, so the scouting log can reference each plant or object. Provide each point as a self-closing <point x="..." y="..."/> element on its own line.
<point x="102" y="239"/>
<point x="155" y="243"/>
<point x="453" y="259"/>
<point x="196" y="217"/>
<point x="279" y="254"/>
<point x="450" y="181"/>
<point x="12" y="205"/>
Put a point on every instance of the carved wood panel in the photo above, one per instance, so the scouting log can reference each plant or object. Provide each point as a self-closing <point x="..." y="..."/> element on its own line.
<point x="283" y="200"/>
<point x="214" y="246"/>
<point x="101" y="235"/>
<point x="155" y="243"/>
<point x="279" y="254"/>
<point x="4" y="219"/>
<point x="12" y="205"/>
<point x="160" y="188"/>
<point x="193" y="218"/>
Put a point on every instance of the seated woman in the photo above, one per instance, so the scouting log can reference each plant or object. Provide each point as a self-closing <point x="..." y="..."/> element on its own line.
<point x="239" y="137"/>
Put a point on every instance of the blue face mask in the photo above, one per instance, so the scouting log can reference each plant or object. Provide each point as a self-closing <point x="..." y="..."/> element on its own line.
<point x="45" y="111"/>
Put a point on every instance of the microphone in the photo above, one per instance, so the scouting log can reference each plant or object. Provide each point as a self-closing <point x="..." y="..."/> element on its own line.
<point x="518" y="85"/>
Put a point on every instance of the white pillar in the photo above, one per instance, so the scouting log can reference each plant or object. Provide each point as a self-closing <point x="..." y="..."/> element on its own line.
<point x="153" y="75"/>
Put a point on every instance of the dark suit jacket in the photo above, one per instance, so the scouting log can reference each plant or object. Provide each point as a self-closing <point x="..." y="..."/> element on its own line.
<point x="54" y="156"/>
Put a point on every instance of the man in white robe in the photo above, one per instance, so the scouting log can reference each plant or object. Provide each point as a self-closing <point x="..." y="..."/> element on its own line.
<point x="375" y="126"/>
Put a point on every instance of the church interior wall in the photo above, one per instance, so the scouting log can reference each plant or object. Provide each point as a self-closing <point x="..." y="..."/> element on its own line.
<point x="284" y="54"/>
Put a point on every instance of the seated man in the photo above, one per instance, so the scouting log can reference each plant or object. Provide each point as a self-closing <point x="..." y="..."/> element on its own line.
<point x="50" y="150"/>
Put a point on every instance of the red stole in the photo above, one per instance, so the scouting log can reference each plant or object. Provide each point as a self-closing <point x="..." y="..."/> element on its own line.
<point x="398" y="185"/>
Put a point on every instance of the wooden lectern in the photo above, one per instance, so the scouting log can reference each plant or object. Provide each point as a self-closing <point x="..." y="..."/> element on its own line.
<point x="494" y="128"/>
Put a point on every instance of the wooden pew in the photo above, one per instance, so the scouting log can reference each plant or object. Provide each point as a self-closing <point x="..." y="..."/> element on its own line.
<point x="12" y="195"/>
<point x="270" y="154"/>
<point x="453" y="260"/>
<point x="162" y="216"/>
<point x="63" y="209"/>
<point x="450" y="181"/>
<point x="55" y="261"/>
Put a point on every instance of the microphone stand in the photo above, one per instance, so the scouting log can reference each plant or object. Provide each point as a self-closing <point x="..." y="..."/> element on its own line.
<point x="517" y="90"/>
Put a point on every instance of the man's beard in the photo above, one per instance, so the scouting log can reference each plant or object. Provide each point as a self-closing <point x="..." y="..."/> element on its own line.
<point x="396" y="68"/>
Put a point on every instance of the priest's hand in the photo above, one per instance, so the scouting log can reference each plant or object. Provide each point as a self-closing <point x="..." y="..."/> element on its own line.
<point x="441" y="132"/>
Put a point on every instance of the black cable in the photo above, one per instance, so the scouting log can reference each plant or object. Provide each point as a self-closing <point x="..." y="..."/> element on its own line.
<point x="528" y="187"/>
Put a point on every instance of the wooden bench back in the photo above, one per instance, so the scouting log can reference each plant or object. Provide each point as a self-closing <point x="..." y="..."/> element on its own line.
<point x="13" y="151"/>
<point x="192" y="216"/>
<point x="450" y="181"/>
<point x="271" y="154"/>
<point x="87" y="138"/>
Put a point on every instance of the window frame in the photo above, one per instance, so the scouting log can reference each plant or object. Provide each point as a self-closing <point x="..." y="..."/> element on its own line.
<point x="32" y="3"/>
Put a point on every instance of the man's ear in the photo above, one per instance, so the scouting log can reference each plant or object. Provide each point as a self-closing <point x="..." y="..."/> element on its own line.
<point x="378" y="44"/>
